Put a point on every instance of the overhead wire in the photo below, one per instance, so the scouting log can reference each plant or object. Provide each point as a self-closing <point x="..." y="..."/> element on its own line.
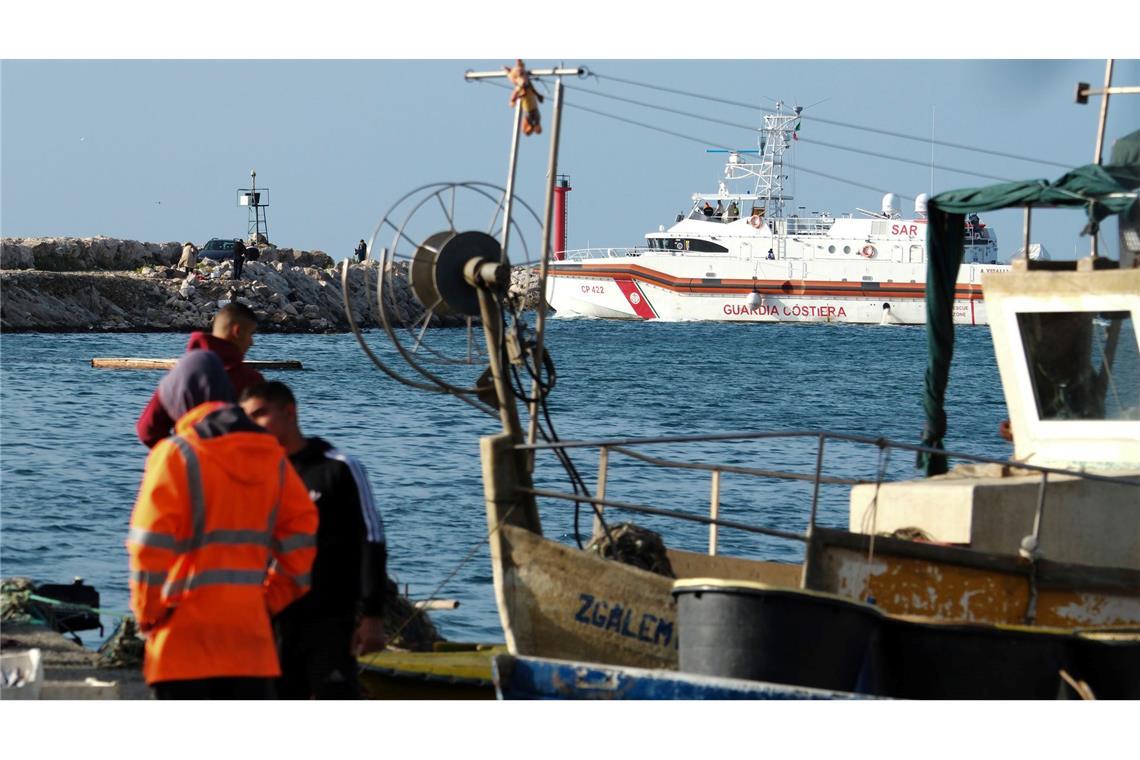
<point x="835" y="122"/>
<point x="706" y="142"/>
<point x="548" y="433"/>
<point x="810" y="141"/>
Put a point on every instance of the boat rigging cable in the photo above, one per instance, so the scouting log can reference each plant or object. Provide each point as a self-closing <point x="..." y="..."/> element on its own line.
<point x="548" y="433"/>
<point x="809" y="141"/>
<point x="832" y="122"/>
<point x="873" y="514"/>
<point x="706" y="142"/>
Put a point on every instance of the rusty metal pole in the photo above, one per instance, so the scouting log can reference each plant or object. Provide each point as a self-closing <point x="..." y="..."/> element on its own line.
<point x="540" y="321"/>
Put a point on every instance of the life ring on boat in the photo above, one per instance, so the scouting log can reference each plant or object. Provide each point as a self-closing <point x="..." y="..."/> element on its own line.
<point x="756" y="221"/>
<point x="868" y="251"/>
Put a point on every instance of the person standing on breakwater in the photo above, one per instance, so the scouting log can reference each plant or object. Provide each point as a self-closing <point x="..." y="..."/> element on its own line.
<point x="361" y="251"/>
<point x="239" y="258"/>
<point x="230" y="338"/>
<point x="320" y="635"/>
<point x="223" y="535"/>
<point x="189" y="257"/>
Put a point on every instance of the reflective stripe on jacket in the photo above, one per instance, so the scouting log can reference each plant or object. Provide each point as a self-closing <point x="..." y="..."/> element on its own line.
<point x="222" y="536"/>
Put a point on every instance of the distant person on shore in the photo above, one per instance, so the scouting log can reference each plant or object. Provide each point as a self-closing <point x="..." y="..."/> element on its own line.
<point x="230" y="337"/>
<point x="320" y="635"/>
<point x="189" y="258"/>
<point x="361" y="251"/>
<point x="239" y="258"/>
<point x="222" y="536"/>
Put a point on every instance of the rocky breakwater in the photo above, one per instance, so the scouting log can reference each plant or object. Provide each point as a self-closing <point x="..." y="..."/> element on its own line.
<point x="105" y="284"/>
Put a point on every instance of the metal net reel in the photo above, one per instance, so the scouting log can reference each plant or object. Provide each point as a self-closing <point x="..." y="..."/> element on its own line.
<point x="429" y="312"/>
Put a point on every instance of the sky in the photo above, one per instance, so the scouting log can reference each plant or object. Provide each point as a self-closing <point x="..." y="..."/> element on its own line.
<point x="156" y="149"/>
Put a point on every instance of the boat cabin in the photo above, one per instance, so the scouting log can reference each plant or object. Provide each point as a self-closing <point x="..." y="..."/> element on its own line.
<point x="1069" y="358"/>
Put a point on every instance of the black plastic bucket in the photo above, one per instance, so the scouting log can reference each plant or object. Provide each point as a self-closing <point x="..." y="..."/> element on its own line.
<point x="779" y="635"/>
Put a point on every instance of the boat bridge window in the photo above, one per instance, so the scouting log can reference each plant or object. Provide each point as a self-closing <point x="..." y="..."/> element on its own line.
<point x="692" y="244"/>
<point x="1083" y="365"/>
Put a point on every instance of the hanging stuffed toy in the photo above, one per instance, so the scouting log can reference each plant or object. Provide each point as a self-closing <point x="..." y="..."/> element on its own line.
<point x="530" y="98"/>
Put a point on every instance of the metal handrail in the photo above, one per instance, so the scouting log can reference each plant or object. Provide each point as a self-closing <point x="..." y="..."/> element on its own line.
<point x="830" y="435"/>
<point x="664" y="513"/>
<point x="607" y="252"/>
<point x="817" y="479"/>
<point x="760" y="473"/>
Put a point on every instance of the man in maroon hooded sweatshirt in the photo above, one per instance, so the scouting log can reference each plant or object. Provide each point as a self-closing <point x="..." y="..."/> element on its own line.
<point x="230" y="336"/>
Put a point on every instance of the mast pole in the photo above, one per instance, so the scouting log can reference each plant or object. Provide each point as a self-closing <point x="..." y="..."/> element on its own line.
<point x="1100" y="132"/>
<point x="540" y="321"/>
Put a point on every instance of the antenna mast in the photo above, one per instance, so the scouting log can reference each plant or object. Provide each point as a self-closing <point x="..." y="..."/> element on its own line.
<point x="775" y="138"/>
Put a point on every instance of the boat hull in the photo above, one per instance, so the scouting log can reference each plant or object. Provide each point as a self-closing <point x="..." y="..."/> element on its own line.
<point x="546" y="678"/>
<point x="559" y="601"/>
<point x="664" y="289"/>
<point x="804" y="638"/>
<point x="456" y="671"/>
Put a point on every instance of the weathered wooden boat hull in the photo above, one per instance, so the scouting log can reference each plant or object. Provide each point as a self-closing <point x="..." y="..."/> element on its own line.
<point x="544" y="678"/>
<point x="956" y="583"/>
<point x="558" y="601"/>
<point x="746" y="630"/>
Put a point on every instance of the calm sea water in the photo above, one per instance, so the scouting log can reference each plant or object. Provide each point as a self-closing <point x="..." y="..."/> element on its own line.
<point x="70" y="464"/>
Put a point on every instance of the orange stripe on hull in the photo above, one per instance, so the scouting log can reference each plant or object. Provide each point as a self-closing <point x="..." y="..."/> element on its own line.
<point x="866" y="289"/>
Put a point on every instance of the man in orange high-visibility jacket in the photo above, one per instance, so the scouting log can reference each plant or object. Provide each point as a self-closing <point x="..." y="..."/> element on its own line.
<point x="223" y="535"/>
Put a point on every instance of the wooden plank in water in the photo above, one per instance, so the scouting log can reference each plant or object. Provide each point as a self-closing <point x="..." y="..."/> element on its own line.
<point x="115" y="363"/>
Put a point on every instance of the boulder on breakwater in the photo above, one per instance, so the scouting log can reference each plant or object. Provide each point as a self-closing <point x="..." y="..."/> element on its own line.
<point x="105" y="284"/>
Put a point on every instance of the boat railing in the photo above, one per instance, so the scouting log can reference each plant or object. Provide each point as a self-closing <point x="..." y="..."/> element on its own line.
<point x="605" y="253"/>
<point x="628" y="447"/>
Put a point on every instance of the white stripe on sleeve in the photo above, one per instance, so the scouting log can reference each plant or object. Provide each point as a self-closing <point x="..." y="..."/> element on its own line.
<point x="373" y="524"/>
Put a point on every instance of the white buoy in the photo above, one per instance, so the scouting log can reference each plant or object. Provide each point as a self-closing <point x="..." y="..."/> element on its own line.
<point x="753" y="300"/>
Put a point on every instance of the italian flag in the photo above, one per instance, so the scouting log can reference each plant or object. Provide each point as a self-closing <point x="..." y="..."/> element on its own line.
<point x="796" y="132"/>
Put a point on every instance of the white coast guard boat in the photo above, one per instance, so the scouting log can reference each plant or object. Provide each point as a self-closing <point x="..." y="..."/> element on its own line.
<point x="736" y="257"/>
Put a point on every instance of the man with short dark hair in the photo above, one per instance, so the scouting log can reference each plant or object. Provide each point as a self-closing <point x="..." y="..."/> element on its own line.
<point x="230" y="337"/>
<point x="320" y="635"/>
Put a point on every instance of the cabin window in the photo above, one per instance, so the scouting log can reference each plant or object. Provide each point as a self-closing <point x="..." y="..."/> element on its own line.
<point x="694" y="244"/>
<point x="831" y="249"/>
<point x="1083" y="365"/>
<point x="847" y="249"/>
<point x="916" y="254"/>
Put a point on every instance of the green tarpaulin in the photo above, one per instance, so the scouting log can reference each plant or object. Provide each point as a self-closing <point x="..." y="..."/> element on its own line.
<point x="1102" y="190"/>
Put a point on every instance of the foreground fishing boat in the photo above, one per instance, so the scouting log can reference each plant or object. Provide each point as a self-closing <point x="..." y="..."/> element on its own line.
<point x="451" y="671"/>
<point x="1046" y="546"/>
<point x="747" y="260"/>
<point x="546" y="678"/>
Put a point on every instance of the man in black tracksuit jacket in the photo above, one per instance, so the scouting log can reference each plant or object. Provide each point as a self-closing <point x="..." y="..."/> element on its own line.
<point x="320" y="634"/>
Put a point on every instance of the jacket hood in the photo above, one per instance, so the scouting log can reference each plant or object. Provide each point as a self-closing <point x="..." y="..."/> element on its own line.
<point x="229" y="353"/>
<point x="196" y="378"/>
<point x="227" y="439"/>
